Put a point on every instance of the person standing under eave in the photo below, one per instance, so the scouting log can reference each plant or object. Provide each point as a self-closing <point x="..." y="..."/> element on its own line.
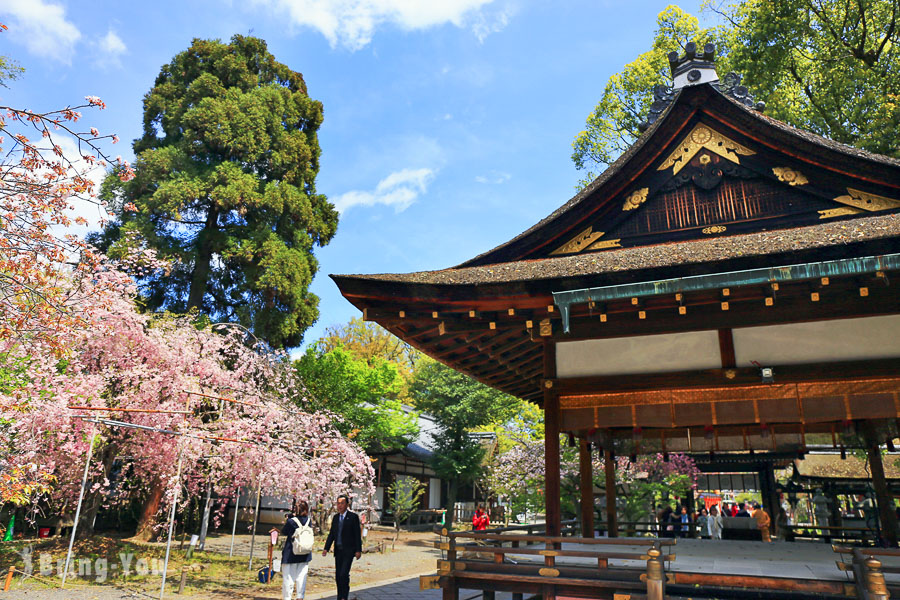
<point x="346" y="535"/>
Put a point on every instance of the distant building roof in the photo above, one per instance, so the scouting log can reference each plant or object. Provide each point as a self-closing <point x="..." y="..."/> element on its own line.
<point x="831" y="466"/>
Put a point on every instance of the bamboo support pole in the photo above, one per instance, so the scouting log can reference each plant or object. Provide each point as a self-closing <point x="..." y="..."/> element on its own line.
<point x="255" y="520"/>
<point x="132" y="410"/>
<point x="162" y="588"/>
<point x="237" y="507"/>
<point x="87" y="465"/>
<point x="232" y="400"/>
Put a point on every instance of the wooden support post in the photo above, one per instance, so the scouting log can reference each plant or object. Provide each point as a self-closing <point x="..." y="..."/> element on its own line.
<point x="450" y="587"/>
<point x="585" y="469"/>
<point x="882" y="495"/>
<point x="876" y="587"/>
<point x="690" y="501"/>
<point x="9" y="578"/>
<point x="609" y="459"/>
<point x="656" y="576"/>
<point x="450" y="590"/>
<point x="773" y="503"/>
<point x="551" y="443"/>
<point x="184" y="572"/>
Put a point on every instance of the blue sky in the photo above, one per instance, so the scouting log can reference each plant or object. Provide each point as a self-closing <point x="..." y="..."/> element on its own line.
<point x="448" y="123"/>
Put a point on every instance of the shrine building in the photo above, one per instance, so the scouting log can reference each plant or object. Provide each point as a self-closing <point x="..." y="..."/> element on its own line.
<point x="727" y="287"/>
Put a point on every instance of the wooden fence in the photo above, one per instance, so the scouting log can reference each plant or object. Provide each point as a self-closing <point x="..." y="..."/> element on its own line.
<point x="526" y="563"/>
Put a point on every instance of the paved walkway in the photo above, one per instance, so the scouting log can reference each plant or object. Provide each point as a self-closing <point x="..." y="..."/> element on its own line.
<point x="400" y="589"/>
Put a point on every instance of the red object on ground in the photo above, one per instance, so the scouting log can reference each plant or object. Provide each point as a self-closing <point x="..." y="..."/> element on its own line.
<point x="43" y="532"/>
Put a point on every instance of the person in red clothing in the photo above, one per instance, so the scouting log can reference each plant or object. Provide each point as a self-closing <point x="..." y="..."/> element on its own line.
<point x="480" y="520"/>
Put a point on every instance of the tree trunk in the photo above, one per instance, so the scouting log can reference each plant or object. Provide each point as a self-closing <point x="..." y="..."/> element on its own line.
<point x="148" y="513"/>
<point x="452" y="491"/>
<point x="203" y="260"/>
<point x="94" y="500"/>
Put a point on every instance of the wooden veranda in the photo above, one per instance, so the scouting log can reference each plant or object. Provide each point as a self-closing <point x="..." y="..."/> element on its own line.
<point x="723" y="288"/>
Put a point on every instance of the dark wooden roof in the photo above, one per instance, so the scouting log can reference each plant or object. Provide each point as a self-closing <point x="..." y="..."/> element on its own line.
<point x="837" y="236"/>
<point x="829" y="167"/>
<point x="831" y="466"/>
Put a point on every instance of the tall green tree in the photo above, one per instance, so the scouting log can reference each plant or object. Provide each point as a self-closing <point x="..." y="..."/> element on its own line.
<point x="373" y="343"/>
<point x="225" y="187"/>
<point x="459" y="405"/>
<point x="827" y="66"/>
<point x="613" y="125"/>
<point x="363" y="394"/>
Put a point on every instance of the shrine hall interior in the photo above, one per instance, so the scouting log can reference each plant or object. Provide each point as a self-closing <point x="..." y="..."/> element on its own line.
<point x="726" y="286"/>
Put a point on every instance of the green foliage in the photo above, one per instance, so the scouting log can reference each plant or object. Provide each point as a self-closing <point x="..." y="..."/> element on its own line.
<point x="524" y="426"/>
<point x="613" y="125"/>
<point x="827" y="66"/>
<point x="9" y="70"/>
<point x="225" y="189"/>
<point x="363" y="394"/>
<point x="405" y="493"/>
<point x="459" y="405"/>
<point x="371" y="343"/>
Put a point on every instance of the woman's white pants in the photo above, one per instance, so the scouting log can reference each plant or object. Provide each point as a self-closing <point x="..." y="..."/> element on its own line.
<point x="293" y="574"/>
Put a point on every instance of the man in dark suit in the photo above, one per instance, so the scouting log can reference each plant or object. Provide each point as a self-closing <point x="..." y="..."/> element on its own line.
<point x="346" y="535"/>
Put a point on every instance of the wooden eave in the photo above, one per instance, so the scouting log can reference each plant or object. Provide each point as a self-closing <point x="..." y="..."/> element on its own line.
<point x="491" y="330"/>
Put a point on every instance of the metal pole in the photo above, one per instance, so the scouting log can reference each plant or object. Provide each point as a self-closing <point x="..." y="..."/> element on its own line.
<point x="162" y="589"/>
<point x="237" y="505"/>
<point x="255" y="519"/>
<point x="87" y="464"/>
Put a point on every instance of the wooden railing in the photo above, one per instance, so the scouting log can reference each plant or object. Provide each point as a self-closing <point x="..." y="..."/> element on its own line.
<point x="508" y="560"/>
<point x="504" y="560"/>
<point x="868" y="572"/>
<point x="863" y="535"/>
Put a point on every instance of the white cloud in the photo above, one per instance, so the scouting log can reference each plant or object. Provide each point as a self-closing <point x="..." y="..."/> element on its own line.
<point x="110" y="48"/>
<point x="43" y="29"/>
<point x="112" y="43"/>
<point x="495" y="178"/>
<point x="352" y="23"/>
<point x="484" y="24"/>
<point x="399" y="189"/>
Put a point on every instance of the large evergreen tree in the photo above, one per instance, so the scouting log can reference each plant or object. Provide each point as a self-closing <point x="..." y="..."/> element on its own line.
<point x="827" y="66"/>
<point x="459" y="404"/>
<point x="225" y="186"/>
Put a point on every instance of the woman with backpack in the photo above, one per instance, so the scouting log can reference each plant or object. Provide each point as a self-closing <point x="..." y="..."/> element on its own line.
<point x="297" y="552"/>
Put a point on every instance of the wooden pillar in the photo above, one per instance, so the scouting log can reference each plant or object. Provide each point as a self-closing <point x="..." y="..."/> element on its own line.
<point x="551" y="442"/>
<point x="691" y="504"/>
<point x="612" y="522"/>
<point x="771" y="503"/>
<point x="586" y="471"/>
<point x="882" y="495"/>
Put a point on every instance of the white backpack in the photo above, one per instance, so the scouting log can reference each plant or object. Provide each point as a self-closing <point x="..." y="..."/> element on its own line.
<point x="303" y="538"/>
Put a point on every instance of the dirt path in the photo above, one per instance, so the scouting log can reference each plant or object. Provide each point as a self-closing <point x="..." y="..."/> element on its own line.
<point x="413" y="555"/>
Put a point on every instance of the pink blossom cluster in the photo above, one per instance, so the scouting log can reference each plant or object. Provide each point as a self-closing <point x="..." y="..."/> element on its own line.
<point x="128" y="360"/>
